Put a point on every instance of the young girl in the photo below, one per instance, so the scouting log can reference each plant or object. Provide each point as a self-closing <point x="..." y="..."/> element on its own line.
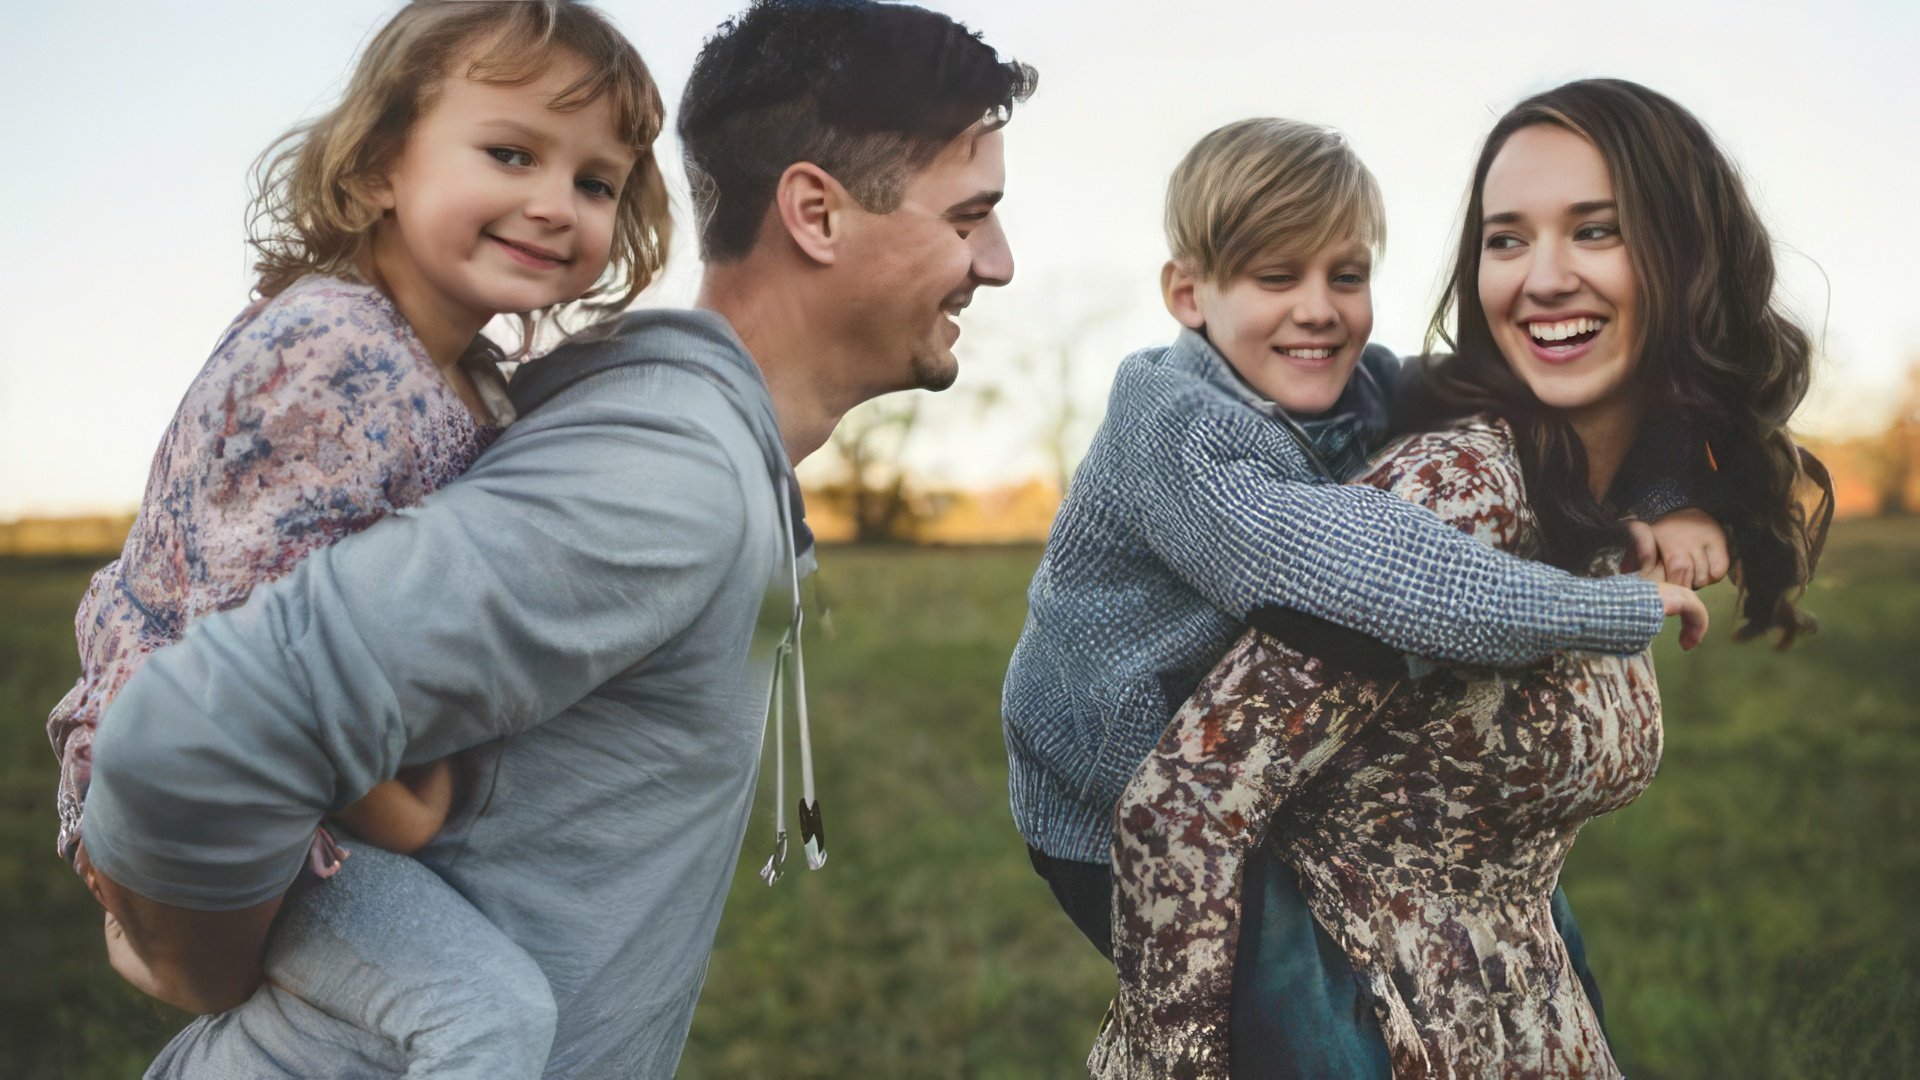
<point x="486" y="158"/>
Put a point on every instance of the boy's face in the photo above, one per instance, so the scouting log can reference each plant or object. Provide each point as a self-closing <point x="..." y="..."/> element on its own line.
<point x="1292" y="325"/>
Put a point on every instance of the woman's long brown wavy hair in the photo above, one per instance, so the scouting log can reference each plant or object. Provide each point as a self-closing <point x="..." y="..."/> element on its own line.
<point x="1718" y="355"/>
<point x="313" y="208"/>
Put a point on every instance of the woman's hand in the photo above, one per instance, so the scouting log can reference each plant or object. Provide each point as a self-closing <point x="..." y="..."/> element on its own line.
<point x="1688" y="543"/>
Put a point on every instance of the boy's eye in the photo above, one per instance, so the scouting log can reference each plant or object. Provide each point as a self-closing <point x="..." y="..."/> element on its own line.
<point x="507" y="155"/>
<point x="1351" y="277"/>
<point x="1275" y="279"/>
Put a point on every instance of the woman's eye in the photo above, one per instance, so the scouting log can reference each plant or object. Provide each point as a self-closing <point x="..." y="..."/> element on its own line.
<point x="507" y="155"/>
<point x="1596" y="232"/>
<point x="1502" y="242"/>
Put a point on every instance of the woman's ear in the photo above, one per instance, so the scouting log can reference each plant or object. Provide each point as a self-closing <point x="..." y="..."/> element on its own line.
<point x="1179" y="287"/>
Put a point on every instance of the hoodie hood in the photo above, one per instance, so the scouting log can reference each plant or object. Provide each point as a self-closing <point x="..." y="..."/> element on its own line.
<point x="702" y="342"/>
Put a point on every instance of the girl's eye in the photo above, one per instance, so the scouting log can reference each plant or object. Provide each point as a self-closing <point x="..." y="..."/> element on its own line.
<point x="596" y="186"/>
<point x="507" y="155"/>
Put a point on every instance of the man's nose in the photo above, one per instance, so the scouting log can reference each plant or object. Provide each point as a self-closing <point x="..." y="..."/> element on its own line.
<point x="992" y="255"/>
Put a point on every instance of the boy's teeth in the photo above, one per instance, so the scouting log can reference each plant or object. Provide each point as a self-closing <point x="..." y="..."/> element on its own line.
<point x="1560" y="331"/>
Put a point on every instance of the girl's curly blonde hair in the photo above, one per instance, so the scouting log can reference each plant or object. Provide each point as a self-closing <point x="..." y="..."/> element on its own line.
<point x="313" y="208"/>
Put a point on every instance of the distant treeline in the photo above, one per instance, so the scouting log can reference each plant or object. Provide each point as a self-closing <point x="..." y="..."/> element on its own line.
<point x="100" y="534"/>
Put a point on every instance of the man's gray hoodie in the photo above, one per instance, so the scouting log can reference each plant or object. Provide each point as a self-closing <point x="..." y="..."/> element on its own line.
<point x="586" y="595"/>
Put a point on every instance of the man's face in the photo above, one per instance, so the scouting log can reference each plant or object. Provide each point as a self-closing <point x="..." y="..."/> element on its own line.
<point x="917" y="267"/>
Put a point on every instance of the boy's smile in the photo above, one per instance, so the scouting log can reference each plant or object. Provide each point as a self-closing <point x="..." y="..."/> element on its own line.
<point x="1293" y="327"/>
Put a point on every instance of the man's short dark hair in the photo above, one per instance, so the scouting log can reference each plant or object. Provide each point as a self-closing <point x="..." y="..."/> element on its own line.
<point x="869" y="92"/>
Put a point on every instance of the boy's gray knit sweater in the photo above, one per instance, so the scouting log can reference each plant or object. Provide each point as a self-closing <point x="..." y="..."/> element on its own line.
<point x="1194" y="508"/>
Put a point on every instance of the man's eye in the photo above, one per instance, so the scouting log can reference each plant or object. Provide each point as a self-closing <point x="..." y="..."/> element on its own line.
<point x="507" y="155"/>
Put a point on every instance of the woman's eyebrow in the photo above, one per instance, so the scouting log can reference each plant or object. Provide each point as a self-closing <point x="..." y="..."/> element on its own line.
<point x="1510" y="217"/>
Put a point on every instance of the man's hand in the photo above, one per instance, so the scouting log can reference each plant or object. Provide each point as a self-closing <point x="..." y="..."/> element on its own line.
<point x="200" y="961"/>
<point x="127" y="962"/>
<point x="1689" y="542"/>
<point x="404" y="813"/>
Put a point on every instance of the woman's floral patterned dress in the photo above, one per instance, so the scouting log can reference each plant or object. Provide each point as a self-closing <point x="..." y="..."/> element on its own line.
<point x="318" y="414"/>
<point x="1427" y="819"/>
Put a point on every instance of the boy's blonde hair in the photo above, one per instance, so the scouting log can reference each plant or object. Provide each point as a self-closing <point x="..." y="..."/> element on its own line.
<point x="1268" y="184"/>
<point x="314" y="206"/>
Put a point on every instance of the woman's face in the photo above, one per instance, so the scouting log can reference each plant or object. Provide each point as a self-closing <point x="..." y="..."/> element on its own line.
<point x="1555" y="281"/>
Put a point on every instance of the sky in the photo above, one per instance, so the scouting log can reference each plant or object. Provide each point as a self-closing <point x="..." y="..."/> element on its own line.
<point x="134" y="125"/>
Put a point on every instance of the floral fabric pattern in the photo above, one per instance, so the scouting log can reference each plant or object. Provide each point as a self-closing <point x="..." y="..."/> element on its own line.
<point x="318" y="414"/>
<point x="1427" y="819"/>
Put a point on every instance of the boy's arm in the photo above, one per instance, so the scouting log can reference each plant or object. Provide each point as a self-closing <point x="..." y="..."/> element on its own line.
<point x="1372" y="562"/>
<point x="1666" y="470"/>
<point x="562" y="558"/>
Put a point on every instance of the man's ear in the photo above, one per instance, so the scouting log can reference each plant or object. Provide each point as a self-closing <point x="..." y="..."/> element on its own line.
<point x="1178" y="287"/>
<point x="809" y="203"/>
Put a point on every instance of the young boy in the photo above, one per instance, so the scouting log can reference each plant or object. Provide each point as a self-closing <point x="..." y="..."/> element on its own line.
<point x="1211" y="498"/>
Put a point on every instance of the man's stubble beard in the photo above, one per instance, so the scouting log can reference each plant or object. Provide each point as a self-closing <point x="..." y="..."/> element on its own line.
<point x="934" y="370"/>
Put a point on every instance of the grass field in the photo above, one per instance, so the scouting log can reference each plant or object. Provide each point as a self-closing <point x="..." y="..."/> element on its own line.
<point x="1749" y="917"/>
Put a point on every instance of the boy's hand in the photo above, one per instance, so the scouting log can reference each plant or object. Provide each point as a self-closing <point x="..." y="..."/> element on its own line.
<point x="1691" y="544"/>
<point x="1681" y="601"/>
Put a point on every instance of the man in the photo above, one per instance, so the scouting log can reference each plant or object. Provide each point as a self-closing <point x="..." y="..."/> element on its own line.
<point x="589" y="590"/>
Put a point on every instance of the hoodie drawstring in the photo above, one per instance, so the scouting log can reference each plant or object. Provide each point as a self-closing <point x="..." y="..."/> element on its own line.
<point x="812" y="832"/>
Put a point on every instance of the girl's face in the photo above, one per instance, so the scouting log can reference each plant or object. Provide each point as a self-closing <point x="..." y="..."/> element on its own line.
<point x="1555" y="281"/>
<point x="499" y="203"/>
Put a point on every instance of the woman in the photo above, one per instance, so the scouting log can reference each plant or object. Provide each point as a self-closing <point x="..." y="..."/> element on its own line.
<point x="1623" y="284"/>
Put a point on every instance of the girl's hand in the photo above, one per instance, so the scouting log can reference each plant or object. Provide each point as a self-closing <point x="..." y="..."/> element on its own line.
<point x="1692" y="545"/>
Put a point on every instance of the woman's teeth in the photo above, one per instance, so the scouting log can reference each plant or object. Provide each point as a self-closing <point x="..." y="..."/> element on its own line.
<point x="1560" y="331"/>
